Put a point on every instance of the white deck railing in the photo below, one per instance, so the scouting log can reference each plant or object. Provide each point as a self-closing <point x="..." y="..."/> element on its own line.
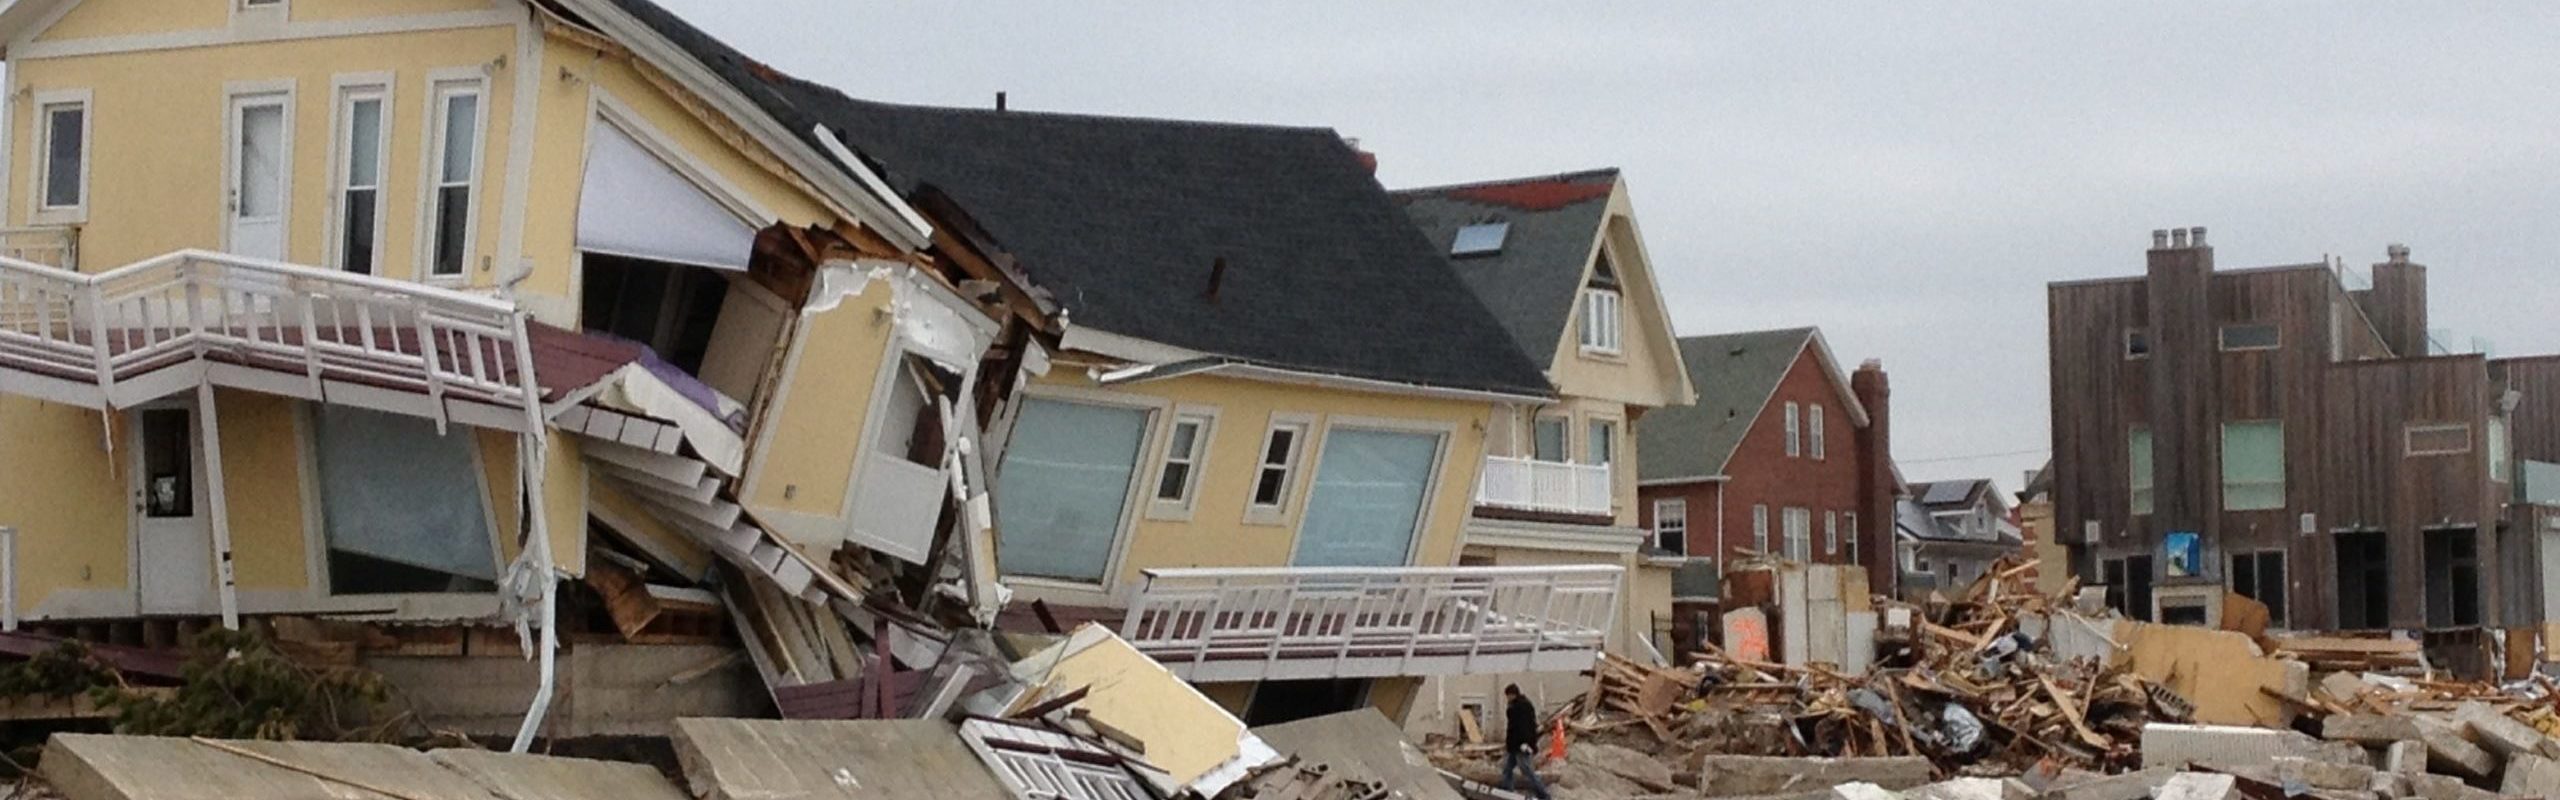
<point x="1288" y="623"/>
<point x="50" y="245"/>
<point x="1556" y="486"/>
<point x="152" y="328"/>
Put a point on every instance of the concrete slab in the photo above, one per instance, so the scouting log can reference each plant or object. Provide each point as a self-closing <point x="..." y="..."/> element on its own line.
<point x="2405" y="758"/>
<point x="2499" y="732"/>
<point x="530" y="777"/>
<point x="2127" y="786"/>
<point x="1364" y="745"/>
<point x="2199" y="786"/>
<point x="1863" y="791"/>
<point x="2368" y="729"/>
<point x="2322" y="774"/>
<point x="2448" y="751"/>
<point x="2531" y="775"/>
<point x="2225" y="746"/>
<point x="2447" y="787"/>
<point x="1973" y="789"/>
<point x="99" y="767"/>
<point x="751" y="759"/>
<point x="1723" y="775"/>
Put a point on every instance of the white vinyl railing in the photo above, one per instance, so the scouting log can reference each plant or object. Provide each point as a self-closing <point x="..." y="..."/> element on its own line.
<point x="112" y="329"/>
<point x="50" y="245"/>
<point x="1530" y="484"/>
<point x="1290" y="623"/>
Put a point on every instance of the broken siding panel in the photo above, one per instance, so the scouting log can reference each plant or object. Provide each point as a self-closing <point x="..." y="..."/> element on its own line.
<point x="811" y="437"/>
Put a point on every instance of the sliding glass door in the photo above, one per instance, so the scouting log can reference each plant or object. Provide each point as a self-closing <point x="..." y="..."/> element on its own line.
<point x="1369" y="490"/>
<point x="1064" y="488"/>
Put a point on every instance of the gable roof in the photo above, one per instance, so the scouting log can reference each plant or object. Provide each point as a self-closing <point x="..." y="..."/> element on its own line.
<point x="1736" y="375"/>
<point x="1531" y="283"/>
<point x="1126" y="221"/>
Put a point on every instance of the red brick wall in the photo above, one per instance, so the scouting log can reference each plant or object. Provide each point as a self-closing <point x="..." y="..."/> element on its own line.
<point x="1761" y="473"/>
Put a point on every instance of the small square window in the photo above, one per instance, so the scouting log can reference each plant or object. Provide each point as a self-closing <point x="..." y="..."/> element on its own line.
<point x="2137" y="343"/>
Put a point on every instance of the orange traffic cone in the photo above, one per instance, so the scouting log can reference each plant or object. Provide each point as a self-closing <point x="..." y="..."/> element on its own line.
<point x="1555" y="746"/>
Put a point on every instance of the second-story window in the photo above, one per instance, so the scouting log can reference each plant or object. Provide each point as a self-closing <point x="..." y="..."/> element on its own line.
<point x="457" y="161"/>
<point x="1181" y="471"/>
<point x="2252" y="465"/>
<point x="1550" y="444"/>
<point x="2251" y="336"/>
<point x="362" y="149"/>
<point x="1603" y="446"/>
<point x="1795" y="441"/>
<point x="1671" y="525"/>
<point x="1815" y="422"/>
<point x="2137" y="343"/>
<point x="63" y="184"/>
<point x="2138" y="468"/>
<point x="1760" y="528"/>
<point x="1831" y="532"/>
<point x="1279" y="458"/>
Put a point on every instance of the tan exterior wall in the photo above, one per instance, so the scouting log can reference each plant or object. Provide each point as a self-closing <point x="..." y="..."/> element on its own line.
<point x="66" y="497"/>
<point x="1217" y="533"/>
<point x="807" y="466"/>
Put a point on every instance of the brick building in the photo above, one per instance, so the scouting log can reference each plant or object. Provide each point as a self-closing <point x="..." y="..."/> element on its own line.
<point x="1784" y="453"/>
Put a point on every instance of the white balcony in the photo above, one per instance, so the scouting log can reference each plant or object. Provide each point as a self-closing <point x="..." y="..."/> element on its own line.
<point x="160" y="326"/>
<point x="1218" y="625"/>
<point x="1556" y="487"/>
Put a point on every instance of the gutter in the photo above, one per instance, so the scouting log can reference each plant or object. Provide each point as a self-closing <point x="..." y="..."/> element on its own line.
<point x="1233" y="367"/>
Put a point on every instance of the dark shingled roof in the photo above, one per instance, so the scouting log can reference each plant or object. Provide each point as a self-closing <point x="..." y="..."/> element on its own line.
<point x="1124" y="219"/>
<point x="1532" y="282"/>
<point x="1735" y="374"/>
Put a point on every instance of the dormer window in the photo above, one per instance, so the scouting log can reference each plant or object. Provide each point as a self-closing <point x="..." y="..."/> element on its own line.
<point x="1480" y="239"/>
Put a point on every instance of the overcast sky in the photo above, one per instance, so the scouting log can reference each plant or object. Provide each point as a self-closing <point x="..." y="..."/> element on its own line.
<point x="1906" y="176"/>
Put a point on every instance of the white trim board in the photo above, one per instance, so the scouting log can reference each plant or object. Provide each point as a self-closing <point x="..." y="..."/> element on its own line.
<point x="263" y="33"/>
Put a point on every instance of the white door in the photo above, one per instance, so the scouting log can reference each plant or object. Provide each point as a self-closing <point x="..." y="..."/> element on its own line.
<point x="173" y="536"/>
<point x="254" y="200"/>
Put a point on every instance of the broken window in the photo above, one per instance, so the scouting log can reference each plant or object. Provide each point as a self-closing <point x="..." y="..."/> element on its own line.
<point x="402" y="507"/>
<point x="1671" y="525"/>
<point x="2260" y="576"/>
<point x="2453" y="578"/>
<point x="2364" y="580"/>
<point x="1063" y="487"/>
<point x="2252" y="465"/>
<point x="671" y="308"/>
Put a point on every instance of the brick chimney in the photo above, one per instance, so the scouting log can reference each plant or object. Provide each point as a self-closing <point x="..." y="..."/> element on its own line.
<point x="1367" y="159"/>
<point x="1876" y="489"/>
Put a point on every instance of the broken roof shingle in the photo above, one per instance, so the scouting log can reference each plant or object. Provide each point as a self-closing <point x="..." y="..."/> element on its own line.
<point x="1736" y="373"/>
<point x="1531" y="282"/>
<point x="1125" y="220"/>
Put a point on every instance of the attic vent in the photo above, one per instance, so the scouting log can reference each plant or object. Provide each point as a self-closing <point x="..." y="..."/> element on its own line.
<point x="1604" y="275"/>
<point x="1480" y="239"/>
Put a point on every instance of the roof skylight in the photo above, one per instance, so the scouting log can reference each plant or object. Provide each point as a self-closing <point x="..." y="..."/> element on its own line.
<point x="1480" y="239"/>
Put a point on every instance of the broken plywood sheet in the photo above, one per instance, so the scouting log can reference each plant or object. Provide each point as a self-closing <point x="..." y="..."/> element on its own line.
<point x="95" y="767"/>
<point x="1362" y="745"/>
<point x="754" y="759"/>
<point x="2222" y="672"/>
<point x="1189" y="736"/>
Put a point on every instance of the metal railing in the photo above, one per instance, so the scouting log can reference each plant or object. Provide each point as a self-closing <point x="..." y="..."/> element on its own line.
<point x="8" y="578"/>
<point x="1557" y="486"/>
<point x="1285" y="623"/>
<point x="110" y="330"/>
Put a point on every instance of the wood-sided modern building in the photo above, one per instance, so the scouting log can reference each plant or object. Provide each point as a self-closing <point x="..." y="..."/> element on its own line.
<point x="2274" y="432"/>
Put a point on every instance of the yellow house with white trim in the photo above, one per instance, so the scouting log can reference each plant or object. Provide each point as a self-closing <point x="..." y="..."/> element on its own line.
<point x="305" y="297"/>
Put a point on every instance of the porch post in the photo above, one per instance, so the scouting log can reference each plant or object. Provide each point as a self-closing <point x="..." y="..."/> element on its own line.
<point x="532" y="451"/>
<point x="218" y="502"/>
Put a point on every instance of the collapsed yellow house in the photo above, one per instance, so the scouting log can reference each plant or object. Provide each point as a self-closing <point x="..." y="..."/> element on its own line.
<point x="562" y="315"/>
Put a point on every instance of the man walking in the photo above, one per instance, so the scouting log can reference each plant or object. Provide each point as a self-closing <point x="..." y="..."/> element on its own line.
<point x="1520" y="741"/>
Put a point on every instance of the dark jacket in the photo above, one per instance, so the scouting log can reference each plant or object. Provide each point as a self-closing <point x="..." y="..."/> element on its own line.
<point x="1520" y="724"/>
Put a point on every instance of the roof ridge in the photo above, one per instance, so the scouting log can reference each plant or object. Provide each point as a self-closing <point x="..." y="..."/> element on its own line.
<point x="1446" y="187"/>
<point x="1708" y="337"/>
<point x="842" y="95"/>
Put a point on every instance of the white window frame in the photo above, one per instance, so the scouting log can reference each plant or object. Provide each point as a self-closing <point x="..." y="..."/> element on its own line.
<point x="1564" y="437"/>
<point x="1820" y="448"/>
<point x="345" y="91"/>
<point x="1665" y="512"/>
<point x="40" y="212"/>
<point x="286" y="94"/>
<point x="1851" y="520"/>
<point x="2501" y="461"/>
<point x="1798" y="534"/>
<point x="1831" y="533"/>
<point x="1301" y="428"/>
<point x="1602" y="329"/>
<point x="2410" y="433"/>
<point x="1795" y="439"/>
<point x="1179" y="508"/>
<point x="1760" y="528"/>
<point x="441" y="85"/>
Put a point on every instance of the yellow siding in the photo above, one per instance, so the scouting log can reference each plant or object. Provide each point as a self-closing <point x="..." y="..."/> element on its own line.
<point x="335" y="10"/>
<point x="1186" y="734"/>
<point x="157" y="162"/>
<point x="564" y="496"/>
<point x="817" y="428"/>
<point x="262" y="470"/>
<point x="1216" y="535"/>
<point x="114" y="18"/>
<point x="65" y="496"/>
<point x="1644" y="370"/>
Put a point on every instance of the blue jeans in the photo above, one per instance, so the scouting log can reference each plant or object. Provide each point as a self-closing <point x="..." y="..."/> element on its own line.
<point x="1527" y="764"/>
